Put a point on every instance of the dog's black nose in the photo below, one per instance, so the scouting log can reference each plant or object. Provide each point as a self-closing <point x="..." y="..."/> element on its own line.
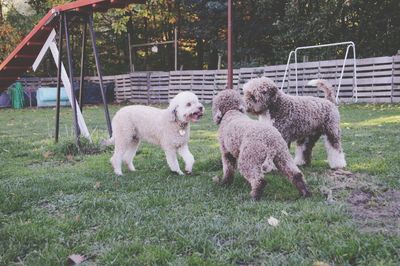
<point x="201" y="108"/>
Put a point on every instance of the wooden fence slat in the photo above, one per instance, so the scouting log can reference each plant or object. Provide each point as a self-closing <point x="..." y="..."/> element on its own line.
<point x="378" y="80"/>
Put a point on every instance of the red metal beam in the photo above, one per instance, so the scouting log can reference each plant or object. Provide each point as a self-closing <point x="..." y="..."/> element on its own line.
<point x="230" y="65"/>
<point x="36" y="38"/>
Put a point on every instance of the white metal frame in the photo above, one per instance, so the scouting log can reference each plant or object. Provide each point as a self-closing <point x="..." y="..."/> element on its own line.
<point x="51" y="44"/>
<point x="349" y="45"/>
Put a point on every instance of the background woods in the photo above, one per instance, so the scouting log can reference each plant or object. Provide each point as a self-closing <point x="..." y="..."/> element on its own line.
<point x="264" y="31"/>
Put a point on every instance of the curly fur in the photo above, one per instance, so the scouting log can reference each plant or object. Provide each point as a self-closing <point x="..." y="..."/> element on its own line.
<point x="168" y="128"/>
<point x="298" y="118"/>
<point x="251" y="146"/>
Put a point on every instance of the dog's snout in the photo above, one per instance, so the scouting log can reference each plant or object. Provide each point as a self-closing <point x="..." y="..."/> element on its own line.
<point x="201" y="108"/>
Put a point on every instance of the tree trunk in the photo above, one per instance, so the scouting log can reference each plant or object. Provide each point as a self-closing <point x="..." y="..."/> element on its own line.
<point x="213" y="59"/>
<point x="200" y="53"/>
<point x="129" y="29"/>
<point x="1" y="12"/>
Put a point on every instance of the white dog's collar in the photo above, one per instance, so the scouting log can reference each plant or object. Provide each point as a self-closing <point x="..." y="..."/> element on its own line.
<point x="182" y="127"/>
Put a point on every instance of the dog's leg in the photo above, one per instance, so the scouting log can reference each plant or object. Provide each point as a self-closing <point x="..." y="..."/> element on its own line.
<point x="187" y="156"/>
<point x="256" y="179"/>
<point x="299" y="158"/>
<point x="252" y="171"/>
<point x="228" y="166"/>
<point x="172" y="161"/>
<point x="116" y="159"/>
<point x="309" y="145"/>
<point x="130" y="153"/>
<point x="288" y="168"/>
<point x="334" y="150"/>
<point x="304" y="149"/>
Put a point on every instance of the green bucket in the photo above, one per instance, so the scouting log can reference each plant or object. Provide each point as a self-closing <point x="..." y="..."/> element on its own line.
<point x="17" y="95"/>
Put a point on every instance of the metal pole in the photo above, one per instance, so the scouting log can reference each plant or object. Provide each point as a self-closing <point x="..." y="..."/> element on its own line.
<point x="151" y="43"/>
<point x="230" y="69"/>
<point x="96" y="57"/>
<point x="286" y="69"/>
<point x="355" y="88"/>
<point x="176" y="48"/>
<point x="60" y="39"/>
<point x="83" y="56"/>
<point x="71" y="78"/>
<point x="326" y="45"/>
<point x="341" y="74"/>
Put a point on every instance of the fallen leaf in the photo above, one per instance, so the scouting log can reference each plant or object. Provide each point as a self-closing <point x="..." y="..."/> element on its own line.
<point x="97" y="185"/>
<point x="70" y="157"/>
<point x="77" y="218"/>
<point x="47" y="154"/>
<point x="320" y="263"/>
<point x="273" y="221"/>
<point x="75" y="259"/>
<point x="284" y="212"/>
<point x="215" y="179"/>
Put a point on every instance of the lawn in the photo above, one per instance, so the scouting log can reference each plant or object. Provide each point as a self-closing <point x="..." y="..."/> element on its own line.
<point x="55" y="201"/>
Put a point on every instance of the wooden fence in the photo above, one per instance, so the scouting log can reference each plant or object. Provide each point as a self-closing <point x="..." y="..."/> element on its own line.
<point x="378" y="80"/>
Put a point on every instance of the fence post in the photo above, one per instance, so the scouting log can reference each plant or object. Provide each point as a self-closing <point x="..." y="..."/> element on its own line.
<point x="148" y="87"/>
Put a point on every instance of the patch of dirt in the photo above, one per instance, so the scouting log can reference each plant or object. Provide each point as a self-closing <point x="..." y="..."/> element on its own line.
<point x="337" y="181"/>
<point x="49" y="207"/>
<point x="376" y="212"/>
<point x="374" y="208"/>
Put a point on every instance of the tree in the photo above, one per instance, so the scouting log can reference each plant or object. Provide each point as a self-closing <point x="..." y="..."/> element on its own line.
<point x="1" y="12"/>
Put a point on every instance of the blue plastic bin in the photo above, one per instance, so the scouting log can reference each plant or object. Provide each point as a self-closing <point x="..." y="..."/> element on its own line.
<point x="46" y="96"/>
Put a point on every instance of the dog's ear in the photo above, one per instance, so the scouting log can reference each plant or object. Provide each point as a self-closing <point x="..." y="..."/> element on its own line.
<point x="217" y="116"/>
<point x="172" y="112"/>
<point x="273" y="93"/>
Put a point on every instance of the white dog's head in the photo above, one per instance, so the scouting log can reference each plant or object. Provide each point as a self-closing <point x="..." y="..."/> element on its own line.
<point x="259" y="94"/>
<point x="185" y="107"/>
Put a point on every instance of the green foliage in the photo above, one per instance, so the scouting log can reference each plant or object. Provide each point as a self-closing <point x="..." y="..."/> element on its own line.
<point x="264" y="31"/>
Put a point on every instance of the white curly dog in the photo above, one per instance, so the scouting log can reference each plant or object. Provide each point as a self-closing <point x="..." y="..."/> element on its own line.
<point x="168" y="128"/>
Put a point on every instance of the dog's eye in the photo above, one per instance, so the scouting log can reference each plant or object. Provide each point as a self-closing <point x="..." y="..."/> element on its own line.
<point x="188" y="104"/>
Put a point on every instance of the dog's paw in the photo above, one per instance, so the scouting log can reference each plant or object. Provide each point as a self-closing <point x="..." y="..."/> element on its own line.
<point x="188" y="172"/>
<point x="188" y="169"/>
<point x="179" y="172"/>
<point x="118" y="173"/>
<point x="257" y="189"/>
<point x="131" y="167"/>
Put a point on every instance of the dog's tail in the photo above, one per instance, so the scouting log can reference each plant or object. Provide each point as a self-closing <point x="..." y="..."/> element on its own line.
<point x="107" y="142"/>
<point x="326" y="87"/>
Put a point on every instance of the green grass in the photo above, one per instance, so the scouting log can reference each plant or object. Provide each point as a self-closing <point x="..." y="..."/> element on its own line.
<point x="53" y="205"/>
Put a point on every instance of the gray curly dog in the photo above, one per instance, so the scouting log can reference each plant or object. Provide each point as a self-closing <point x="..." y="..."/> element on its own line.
<point x="251" y="146"/>
<point x="299" y="118"/>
